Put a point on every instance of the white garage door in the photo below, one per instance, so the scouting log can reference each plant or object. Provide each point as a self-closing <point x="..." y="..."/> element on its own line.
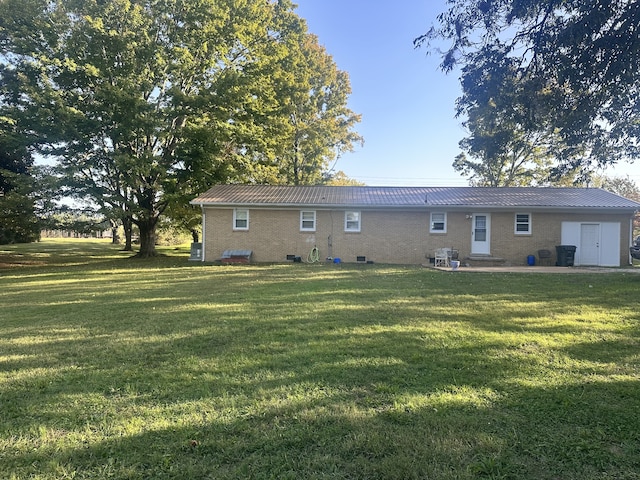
<point x="597" y="243"/>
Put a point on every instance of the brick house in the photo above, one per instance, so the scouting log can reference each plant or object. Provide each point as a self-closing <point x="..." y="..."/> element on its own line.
<point x="405" y="225"/>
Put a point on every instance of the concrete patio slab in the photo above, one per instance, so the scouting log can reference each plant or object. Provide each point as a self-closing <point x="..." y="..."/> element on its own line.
<point x="542" y="269"/>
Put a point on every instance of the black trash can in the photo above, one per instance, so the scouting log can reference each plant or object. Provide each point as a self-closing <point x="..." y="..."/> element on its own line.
<point x="196" y="251"/>
<point x="566" y="255"/>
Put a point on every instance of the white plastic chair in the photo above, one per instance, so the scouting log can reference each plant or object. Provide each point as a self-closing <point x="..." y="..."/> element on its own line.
<point x="442" y="258"/>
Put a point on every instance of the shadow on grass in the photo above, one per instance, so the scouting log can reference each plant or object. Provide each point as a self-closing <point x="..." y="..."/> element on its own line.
<point x="285" y="372"/>
<point x="73" y="253"/>
<point x="367" y="421"/>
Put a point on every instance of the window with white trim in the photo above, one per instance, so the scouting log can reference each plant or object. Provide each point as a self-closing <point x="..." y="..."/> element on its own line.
<point x="241" y="219"/>
<point x="438" y="222"/>
<point x="351" y="221"/>
<point x="523" y="224"/>
<point x="307" y="220"/>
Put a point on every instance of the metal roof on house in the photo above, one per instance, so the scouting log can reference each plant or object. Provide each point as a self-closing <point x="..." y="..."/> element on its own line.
<point x="411" y="197"/>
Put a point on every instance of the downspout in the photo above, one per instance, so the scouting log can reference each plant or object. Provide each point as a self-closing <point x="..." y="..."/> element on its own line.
<point x="630" y="259"/>
<point x="204" y="224"/>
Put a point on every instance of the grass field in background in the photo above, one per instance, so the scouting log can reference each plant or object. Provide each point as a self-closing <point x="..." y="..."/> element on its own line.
<point x="120" y="368"/>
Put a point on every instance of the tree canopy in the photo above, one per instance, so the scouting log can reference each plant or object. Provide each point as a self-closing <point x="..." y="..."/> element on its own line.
<point x="499" y="151"/>
<point x="570" y="70"/>
<point x="147" y="103"/>
<point x="320" y="124"/>
<point x="18" y="222"/>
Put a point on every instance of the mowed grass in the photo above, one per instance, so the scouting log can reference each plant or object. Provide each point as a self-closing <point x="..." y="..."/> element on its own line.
<point x="169" y="369"/>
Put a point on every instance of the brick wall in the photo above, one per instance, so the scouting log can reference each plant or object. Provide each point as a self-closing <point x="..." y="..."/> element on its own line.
<point x="546" y="233"/>
<point x="386" y="236"/>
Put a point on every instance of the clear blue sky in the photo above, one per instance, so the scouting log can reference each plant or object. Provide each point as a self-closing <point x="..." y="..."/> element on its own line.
<point x="407" y="105"/>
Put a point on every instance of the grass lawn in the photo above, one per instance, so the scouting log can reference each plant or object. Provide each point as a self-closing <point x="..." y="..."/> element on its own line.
<point x="169" y="369"/>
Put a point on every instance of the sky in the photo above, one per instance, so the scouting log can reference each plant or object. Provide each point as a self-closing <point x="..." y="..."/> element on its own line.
<point x="407" y="105"/>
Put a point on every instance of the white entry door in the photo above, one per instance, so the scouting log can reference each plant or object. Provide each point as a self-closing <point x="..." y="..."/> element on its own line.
<point x="590" y="244"/>
<point x="481" y="234"/>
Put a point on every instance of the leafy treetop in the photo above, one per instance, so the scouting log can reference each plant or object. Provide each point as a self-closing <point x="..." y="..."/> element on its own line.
<point x="572" y="68"/>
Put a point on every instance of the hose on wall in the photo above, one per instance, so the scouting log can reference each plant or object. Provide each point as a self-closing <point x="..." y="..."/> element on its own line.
<point x="314" y="255"/>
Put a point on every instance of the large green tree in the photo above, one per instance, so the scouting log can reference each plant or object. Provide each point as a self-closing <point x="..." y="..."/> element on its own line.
<point x="500" y="150"/>
<point x="18" y="221"/>
<point x="320" y="126"/>
<point x="575" y="65"/>
<point x="148" y="102"/>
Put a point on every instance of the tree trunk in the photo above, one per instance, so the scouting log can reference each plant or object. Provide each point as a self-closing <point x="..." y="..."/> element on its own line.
<point x="127" y="224"/>
<point x="114" y="231"/>
<point x="147" y="228"/>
